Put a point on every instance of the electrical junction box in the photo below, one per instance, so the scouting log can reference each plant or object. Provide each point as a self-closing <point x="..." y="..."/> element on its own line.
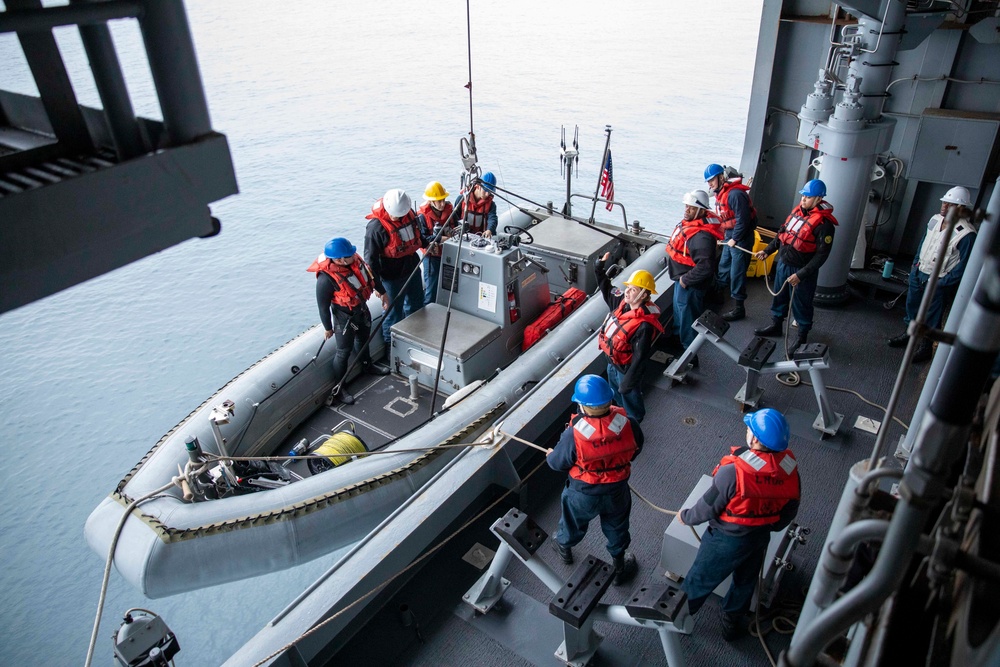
<point x="954" y="147"/>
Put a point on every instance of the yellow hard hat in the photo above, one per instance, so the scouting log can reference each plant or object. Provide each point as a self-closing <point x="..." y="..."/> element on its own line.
<point x="643" y="280"/>
<point x="435" y="192"/>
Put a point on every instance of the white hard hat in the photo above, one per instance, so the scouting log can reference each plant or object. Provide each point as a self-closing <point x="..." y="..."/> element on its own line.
<point x="396" y="203"/>
<point x="957" y="195"/>
<point x="697" y="198"/>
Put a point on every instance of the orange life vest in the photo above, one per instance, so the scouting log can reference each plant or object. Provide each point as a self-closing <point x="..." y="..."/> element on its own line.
<point x="727" y="218"/>
<point x="434" y="217"/>
<point x="615" y="338"/>
<point x="677" y="246"/>
<point x="605" y="446"/>
<point x="404" y="236"/>
<point x="354" y="282"/>
<point x="475" y="211"/>
<point x="765" y="483"/>
<point x="799" y="230"/>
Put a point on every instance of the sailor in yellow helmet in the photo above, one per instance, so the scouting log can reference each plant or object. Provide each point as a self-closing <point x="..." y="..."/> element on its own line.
<point x="435" y="213"/>
<point x="627" y="335"/>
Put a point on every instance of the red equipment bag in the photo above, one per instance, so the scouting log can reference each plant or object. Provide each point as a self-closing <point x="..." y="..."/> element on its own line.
<point x="557" y="311"/>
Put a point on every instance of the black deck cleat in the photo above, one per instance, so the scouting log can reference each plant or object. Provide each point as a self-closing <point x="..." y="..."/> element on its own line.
<point x="714" y="323"/>
<point x="656" y="602"/>
<point x="519" y="532"/>
<point x="810" y="351"/>
<point x="581" y="593"/>
<point x="757" y="353"/>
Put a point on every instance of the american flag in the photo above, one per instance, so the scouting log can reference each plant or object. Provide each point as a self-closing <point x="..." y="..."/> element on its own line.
<point x="608" y="183"/>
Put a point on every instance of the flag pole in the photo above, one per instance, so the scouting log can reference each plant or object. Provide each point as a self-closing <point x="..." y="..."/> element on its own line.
<point x="600" y="172"/>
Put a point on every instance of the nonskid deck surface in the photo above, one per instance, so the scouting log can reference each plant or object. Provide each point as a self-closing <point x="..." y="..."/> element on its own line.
<point x="383" y="411"/>
<point x="688" y="428"/>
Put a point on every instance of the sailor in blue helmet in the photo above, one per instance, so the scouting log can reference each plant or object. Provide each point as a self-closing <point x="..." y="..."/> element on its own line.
<point x="738" y="220"/>
<point x="755" y="491"/>
<point x="597" y="449"/>
<point x="803" y="245"/>
<point x="479" y="211"/>
<point x="343" y="284"/>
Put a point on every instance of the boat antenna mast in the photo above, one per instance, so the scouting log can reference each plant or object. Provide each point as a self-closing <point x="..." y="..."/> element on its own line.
<point x="600" y="172"/>
<point x="568" y="158"/>
<point x="467" y="147"/>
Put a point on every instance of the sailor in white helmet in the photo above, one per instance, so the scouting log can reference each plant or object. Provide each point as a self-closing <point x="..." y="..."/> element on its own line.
<point x="956" y="256"/>
<point x="392" y="239"/>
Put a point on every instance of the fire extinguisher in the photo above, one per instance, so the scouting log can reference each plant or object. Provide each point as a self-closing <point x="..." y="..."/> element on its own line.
<point x="515" y="312"/>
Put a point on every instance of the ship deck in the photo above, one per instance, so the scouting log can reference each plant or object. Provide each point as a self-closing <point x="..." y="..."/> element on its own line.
<point x="688" y="427"/>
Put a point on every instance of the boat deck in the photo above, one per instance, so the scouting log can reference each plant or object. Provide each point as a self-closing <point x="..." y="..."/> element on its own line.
<point x="688" y="428"/>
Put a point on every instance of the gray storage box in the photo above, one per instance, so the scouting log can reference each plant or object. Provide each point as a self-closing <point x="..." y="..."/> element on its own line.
<point x="467" y="352"/>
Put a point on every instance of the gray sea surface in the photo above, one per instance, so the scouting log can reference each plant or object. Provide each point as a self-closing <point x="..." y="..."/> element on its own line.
<point x="326" y="105"/>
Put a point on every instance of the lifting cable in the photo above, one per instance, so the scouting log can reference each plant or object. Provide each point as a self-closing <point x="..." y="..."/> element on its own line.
<point x="176" y="481"/>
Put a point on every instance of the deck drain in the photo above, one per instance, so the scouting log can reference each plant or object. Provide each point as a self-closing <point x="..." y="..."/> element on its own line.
<point x="690" y="421"/>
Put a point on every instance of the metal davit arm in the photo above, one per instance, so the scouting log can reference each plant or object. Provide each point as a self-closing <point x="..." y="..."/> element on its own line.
<point x="941" y="439"/>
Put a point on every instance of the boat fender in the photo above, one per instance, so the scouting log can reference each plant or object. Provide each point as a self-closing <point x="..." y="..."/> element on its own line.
<point x="462" y="393"/>
<point x="338" y="449"/>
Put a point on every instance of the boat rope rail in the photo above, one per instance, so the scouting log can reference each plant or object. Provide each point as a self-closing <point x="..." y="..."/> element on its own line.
<point x="170" y="534"/>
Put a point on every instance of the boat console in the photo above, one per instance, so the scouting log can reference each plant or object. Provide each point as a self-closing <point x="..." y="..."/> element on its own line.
<point x="494" y="291"/>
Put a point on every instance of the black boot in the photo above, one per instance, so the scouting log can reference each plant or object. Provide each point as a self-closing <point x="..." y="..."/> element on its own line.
<point x="776" y="328"/>
<point x="625" y="568"/>
<point x="342" y="396"/>
<point x="733" y="626"/>
<point x="801" y="340"/>
<point x="737" y="313"/>
<point x="899" y="341"/>
<point x="565" y="553"/>
<point x="925" y="350"/>
<point x="371" y="368"/>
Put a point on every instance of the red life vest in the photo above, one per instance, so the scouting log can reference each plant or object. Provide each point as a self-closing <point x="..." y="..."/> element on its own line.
<point x="605" y="446"/>
<point x="765" y="483"/>
<point x="474" y="212"/>
<point x="727" y="218"/>
<point x="434" y="217"/>
<point x="615" y="338"/>
<point x="354" y="282"/>
<point x="404" y="236"/>
<point x="677" y="246"/>
<point x="799" y="230"/>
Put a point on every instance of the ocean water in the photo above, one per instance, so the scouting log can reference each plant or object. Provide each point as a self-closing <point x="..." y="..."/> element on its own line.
<point x="326" y="105"/>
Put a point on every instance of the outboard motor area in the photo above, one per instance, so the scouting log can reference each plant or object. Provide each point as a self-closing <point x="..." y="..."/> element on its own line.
<point x="495" y="292"/>
<point x="144" y="640"/>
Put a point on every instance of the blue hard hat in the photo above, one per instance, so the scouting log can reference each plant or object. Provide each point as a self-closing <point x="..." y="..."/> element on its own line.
<point x="713" y="170"/>
<point x="770" y="427"/>
<point x="489" y="180"/>
<point x="814" y="188"/>
<point x="339" y="248"/>
<point x="592" y="391"/>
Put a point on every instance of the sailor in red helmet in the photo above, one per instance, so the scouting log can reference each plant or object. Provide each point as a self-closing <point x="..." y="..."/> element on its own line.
<point x="803" y="245"/>
<point x="392" y="239"/>
<point x="597" y="449"/>
<point x="754" y="492"/>
<point x="343" y="284"/>
<point x="479" y="212"/>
